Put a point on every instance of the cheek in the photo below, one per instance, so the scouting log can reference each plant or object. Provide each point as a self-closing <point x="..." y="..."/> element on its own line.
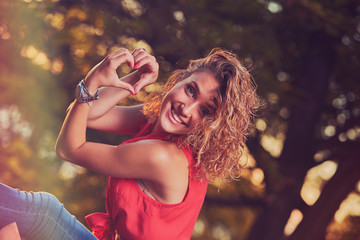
<point x="176" y="93"/>
<point x="195" y="121"/>
<point x="173" y="97"/>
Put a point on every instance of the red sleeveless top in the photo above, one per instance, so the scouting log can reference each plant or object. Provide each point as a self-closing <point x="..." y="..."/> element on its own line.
<point x="133" y="215"/>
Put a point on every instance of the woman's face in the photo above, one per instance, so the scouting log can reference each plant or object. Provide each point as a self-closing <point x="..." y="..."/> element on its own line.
<point x="187" y="103"/>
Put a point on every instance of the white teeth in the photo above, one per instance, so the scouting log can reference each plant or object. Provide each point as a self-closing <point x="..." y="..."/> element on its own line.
<point x="176" y="117"/>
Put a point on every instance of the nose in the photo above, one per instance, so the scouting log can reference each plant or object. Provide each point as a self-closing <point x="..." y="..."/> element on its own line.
<point x="187" y="109"/>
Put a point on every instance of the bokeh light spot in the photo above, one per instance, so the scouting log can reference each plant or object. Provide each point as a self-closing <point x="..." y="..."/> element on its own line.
<point x="295" y="218"/>
<point x="274" y="7"/>
<point x="315" y="179"/>
<point x="260" y="125"/>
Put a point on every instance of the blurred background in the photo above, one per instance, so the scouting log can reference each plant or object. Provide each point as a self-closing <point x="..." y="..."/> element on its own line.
<point x="301" y="177"/>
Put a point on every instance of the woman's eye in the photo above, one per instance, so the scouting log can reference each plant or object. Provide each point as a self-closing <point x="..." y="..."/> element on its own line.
<point x="191" y="91"/>
<point x="204" y="111"/>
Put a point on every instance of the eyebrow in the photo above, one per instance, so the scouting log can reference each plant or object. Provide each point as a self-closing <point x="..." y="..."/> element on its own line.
<point x="212" y="107"/>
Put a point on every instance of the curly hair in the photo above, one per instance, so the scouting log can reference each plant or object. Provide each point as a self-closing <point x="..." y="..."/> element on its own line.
<point x="217" y="142"/>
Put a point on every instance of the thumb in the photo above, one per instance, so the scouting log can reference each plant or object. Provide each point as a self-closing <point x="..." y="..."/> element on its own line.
<point x="139" y="85"/>
<point x="126" y="86"/>
<point x="145" y="79"/>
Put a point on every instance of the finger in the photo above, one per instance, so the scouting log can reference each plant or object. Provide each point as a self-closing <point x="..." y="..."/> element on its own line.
<point x="137" y="59"/>
<point x="137" y="87"/>
<point x="138" y="54"/>
<point x="120" y="51"/>
<point x="148" y="61"/>
<point x="144" y="81"/>
<point x="126" y="86"/>
<point x="122" y="58"/>
<point x="137" y="50"/>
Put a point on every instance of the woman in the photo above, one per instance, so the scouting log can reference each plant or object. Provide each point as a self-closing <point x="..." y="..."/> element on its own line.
<point x="184" y="135"/>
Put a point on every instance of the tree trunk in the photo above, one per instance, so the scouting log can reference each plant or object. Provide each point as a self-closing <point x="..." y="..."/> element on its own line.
<point x="317" y="218"/>
<point x="299" y="146"/>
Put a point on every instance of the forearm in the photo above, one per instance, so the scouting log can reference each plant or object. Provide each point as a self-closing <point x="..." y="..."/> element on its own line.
<point x="73" y="131"/>
<point x="110" y="96"/>
<point x="79" y="115"/>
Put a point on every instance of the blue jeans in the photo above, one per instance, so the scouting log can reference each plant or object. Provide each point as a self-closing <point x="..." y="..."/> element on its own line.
<point x="39" y="216"/>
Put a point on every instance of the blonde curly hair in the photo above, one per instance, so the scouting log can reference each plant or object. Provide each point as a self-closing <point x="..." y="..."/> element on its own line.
<point x="218" y="142"/>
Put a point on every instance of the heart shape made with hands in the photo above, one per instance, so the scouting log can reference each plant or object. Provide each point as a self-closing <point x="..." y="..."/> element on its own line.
<point x="147" y="68"/>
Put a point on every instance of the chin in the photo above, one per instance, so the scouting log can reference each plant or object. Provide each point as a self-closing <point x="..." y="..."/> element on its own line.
<point x="173" y="130"/>
<point x="170" y="128"/>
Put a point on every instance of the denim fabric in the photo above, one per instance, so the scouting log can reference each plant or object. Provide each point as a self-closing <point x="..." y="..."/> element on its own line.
<point x="39" y="215"/>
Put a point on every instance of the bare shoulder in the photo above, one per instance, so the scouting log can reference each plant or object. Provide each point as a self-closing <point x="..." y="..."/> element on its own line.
<point x="166" y="153"/>
<point x="158" y="160"/>
<point x="170" y="183"/>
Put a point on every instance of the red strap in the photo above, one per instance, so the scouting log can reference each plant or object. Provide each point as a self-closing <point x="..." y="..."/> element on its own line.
<point x="101" y="225"/>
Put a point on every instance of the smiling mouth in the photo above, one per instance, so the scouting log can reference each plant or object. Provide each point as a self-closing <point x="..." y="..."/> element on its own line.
<point x="176" y="117"/>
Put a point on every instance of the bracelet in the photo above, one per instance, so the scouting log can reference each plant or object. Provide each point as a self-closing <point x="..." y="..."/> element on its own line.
<point x="84" y="95"/>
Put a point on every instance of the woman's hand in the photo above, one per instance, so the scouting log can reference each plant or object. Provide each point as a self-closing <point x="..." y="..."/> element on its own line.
<point x="147" y="68"/>
<point x="104" y="73"/>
